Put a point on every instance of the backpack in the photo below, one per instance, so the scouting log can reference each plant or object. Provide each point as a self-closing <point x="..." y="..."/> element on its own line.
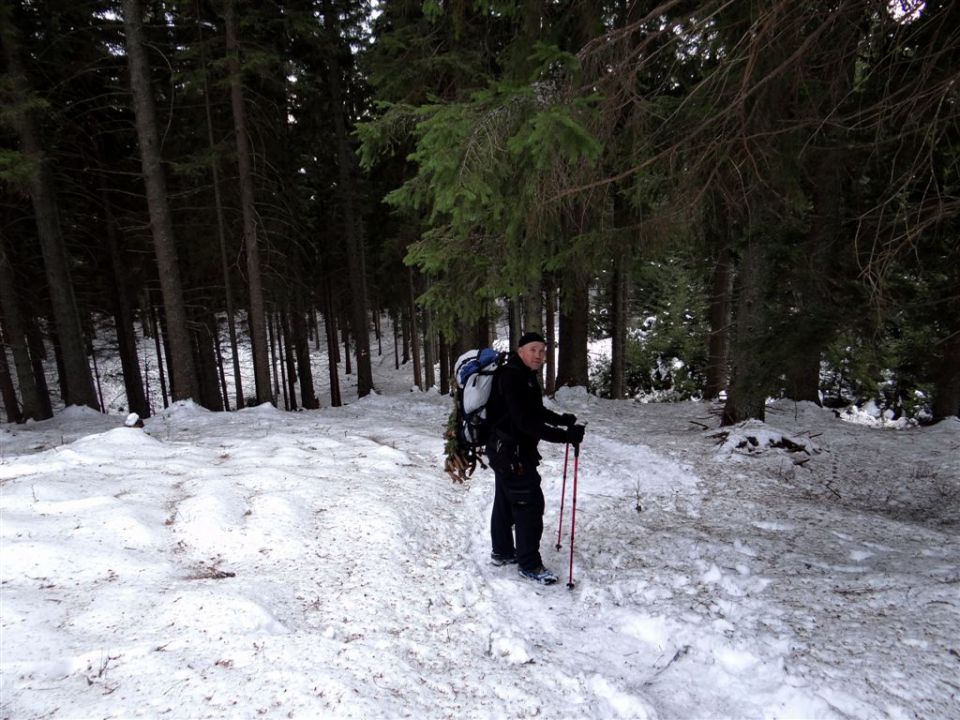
<point x="468" y="429"/>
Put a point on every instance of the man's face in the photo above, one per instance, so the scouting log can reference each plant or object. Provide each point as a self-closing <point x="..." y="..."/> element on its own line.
<point x="533" y="354"/>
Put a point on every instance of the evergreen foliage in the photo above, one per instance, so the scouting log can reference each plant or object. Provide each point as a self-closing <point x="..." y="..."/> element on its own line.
<point x="775" y="181"/>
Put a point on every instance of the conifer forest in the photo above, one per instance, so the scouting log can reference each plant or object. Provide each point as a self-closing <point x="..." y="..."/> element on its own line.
<point x="748" y="199"/>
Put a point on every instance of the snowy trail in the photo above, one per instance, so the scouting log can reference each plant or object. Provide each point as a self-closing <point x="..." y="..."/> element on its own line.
<point x="319" y="564"/>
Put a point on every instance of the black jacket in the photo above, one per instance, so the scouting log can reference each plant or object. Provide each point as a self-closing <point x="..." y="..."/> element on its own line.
<point x="516" y="410"/>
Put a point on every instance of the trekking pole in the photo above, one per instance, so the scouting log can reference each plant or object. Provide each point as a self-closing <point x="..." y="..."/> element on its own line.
<point x="563" y="492"/>
<point x="573" y="510"/>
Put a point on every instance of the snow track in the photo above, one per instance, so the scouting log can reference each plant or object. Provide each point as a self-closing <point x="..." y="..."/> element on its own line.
<point x="320" y="564"/>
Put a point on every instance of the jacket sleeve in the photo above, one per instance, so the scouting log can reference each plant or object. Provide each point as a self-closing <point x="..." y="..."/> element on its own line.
<point x="551" y="417"/>
<point x="526" y="415"/>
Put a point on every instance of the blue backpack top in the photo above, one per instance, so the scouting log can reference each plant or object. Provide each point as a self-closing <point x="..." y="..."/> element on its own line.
<point x="467" y="436"/>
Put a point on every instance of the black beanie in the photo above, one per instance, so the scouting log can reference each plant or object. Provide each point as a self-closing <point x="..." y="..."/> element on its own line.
<point x="530" y="337"/>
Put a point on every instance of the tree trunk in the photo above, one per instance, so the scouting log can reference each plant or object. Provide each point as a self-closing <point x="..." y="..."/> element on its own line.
<point x="16" y="337"/>
<point x="205" y="340"/>
<point x="719" y="342"/>
<point x="750" y="371"/>
<point x="405" y="333"/>
<point x="301" y="342"/>
<point x="533" y="310"/>
<point x="826" y="161"/>
<point x="258" y="315"/>
<point x="183" y="374"/>
<point x="38" y="352"/>
<point x="396" y="339"/>
<point x="414" y="332"/>
<point x="221" y="233"/>
<point x="946" y="396"/>
<point x="159" y="345"/>
<point x="77" y="380"/>
<point x="6" y="388"/>
<point x="550" y="382"/>
<point x="618" y="351"/>
<point x="347" y="356"/>
<point x="445" y="371"/>
<point x="290" y="357"/>
<point x="574" y="322"/>
<point x="353" y="225"/>
<point x="513" y="321"/>
<point x="123" y="313"/>
<point x="429" y="347"/>
<point x="802" y="372"/>
<point x="331" y="331"/>
<point x="483" y="336"/>
<point x="220" y="372"/>
<point x="279" y="388"/>
<point x="816" y="318"/>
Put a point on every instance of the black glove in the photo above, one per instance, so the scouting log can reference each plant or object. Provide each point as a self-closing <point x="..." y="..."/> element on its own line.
<point x="575" y="434"/>
<point x="568" y="419"/>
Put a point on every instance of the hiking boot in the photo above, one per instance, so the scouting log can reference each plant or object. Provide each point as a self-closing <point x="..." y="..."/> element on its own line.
<point x="499" y="559"/>
<point x="540" y="575"/>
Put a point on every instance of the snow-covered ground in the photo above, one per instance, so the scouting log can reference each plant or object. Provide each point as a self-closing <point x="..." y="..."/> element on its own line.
<point x="320" y="564"/>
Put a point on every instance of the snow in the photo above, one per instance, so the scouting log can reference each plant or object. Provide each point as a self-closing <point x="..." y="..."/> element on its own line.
<point x="262" y="563"/>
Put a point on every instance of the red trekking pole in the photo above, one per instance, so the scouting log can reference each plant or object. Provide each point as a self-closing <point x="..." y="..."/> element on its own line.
<point x="573" y="510"/>
<point x="563" y="492"/>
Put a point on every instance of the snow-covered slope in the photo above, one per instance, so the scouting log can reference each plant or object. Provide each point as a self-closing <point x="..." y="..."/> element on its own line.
<point x="321" y="564"/>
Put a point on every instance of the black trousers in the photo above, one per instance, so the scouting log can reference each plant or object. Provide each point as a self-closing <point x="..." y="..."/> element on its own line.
<point x="518" y="506"/>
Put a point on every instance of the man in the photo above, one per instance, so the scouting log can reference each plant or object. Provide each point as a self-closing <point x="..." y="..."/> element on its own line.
<point x="518" y="422"/>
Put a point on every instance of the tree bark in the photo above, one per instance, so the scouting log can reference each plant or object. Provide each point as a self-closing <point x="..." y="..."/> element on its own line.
<point x="10" y="403"/>
<point x="514" y="321"/>
<point x="330" y="326"/>
<point x="618" y="351"/>
<point x="353" y="225"/>
<point x="290" y="357"/>
<point x="123" y="314"/>
<point x="533" y="310"/>
<point x="308" y="395"/>
<point x="16" y="337"/>
<point x="572" y="368"/>
<point x="550" y="382"/>
<point x="221" y="233"/>
<point x="159" y="343"/>
<point x="220" y="372"/>
<point x="258" y="316"/>
<point x="347" y="355"/>
<point x="946" y="397"/>
<point x="750" y="372"/>
<point x="183" y="374"/>
<point x="414" y="332"/>
<point x="396" y="339"/>
<point x="278" y="388"/>
<point x="719" y="312"/>
<point x="429" y="348"/>
<point x="445" y="371"/>
<point x="826" y="163"/>
<point x="483" y="336"/>
<point x="205" y="339"/>
<point x="77" y="380"/>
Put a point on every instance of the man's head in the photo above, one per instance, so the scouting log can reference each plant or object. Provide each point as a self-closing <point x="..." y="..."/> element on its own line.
<point x="532" y="350"/>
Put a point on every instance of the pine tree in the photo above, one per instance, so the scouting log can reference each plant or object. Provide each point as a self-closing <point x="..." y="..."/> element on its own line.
<point x="182" y="369"/>
<point x="76" y="379"/>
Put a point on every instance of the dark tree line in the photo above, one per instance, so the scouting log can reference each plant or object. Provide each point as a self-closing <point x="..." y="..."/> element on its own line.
<point x="169" y="164"/>
<point x="797" y="159"/>
<point x="751" y="199"/>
